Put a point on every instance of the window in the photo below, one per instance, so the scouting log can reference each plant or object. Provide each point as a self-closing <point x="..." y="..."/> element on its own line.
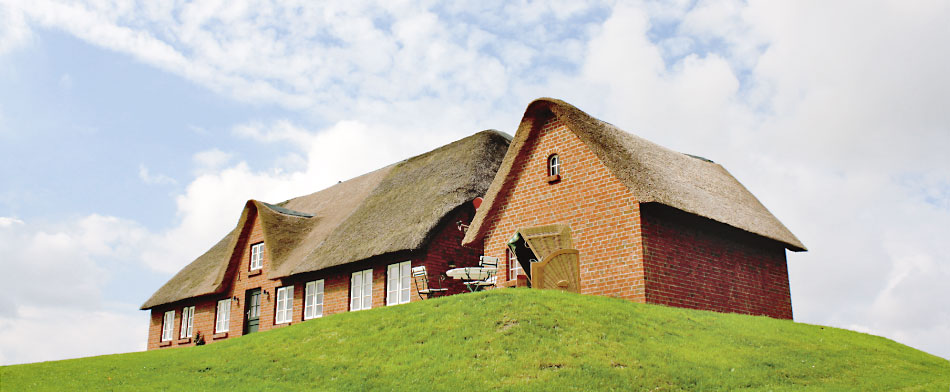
<point x="554" y="165"/>
<point x="187" y="321"/>
<point x="285" y="305"/>
<point x="223" y="318"/>
<point x="257" y="256"/>
<point x="361" y="290"/>
<point x="313" y="300"/>
<point x="168" y="325"/>
<point x="397" y="284"/>
<point x="514" y="267"/>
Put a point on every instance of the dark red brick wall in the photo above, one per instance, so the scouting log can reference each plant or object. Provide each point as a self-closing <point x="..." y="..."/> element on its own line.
<point x="444" y="247"/>
<point x="445" y="252"/>
<point x="693" y="262"/>
<point x="602" y="212"/>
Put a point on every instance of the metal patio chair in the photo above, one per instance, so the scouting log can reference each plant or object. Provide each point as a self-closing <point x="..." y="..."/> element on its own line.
<point x="420" y="279"/>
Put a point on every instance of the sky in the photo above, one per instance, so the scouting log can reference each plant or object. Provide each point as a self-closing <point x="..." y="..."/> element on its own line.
<point x="131" y="134"/>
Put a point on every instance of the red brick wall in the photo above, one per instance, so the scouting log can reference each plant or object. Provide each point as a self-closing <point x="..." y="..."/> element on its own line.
<point x="244" y="279"/>
<point x="602" y="212"/>
<point x="693" y="262"/>
<point x="444" y="247"/>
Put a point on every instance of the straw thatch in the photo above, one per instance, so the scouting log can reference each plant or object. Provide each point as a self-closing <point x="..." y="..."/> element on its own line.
<point x="653" y="173"/>
<point x="393" y="209"/>
<point x="205" y="274"/>
<point x="402" y="212"/>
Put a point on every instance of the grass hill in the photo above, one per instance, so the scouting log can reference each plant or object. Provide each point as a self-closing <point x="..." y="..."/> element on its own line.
<point x="514" y="339"/>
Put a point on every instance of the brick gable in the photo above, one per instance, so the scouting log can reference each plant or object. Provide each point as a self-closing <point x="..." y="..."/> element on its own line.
<point x="602" y="212"/>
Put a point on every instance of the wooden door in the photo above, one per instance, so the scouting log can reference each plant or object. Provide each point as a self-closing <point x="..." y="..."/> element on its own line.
<point x="252" y="310"/>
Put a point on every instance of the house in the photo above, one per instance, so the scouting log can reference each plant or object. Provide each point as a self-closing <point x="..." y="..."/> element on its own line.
<point x="648" y="224"/>
<point x="620" y="215"/>
<point x="348" y="247"/>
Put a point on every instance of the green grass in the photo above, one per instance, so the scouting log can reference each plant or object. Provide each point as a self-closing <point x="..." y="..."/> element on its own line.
<point x="513" y="339"/>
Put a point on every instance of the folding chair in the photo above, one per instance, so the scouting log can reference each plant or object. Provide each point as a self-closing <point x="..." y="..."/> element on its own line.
<point x="420" y="278"/>
<point x="489" y="263"/>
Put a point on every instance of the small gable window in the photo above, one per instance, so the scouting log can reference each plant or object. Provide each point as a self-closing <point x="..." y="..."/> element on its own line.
<point x="257" y="256"/>
<point x="554" y="165"/>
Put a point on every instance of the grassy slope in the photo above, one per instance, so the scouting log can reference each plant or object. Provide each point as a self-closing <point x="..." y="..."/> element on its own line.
<point x="513" y="339"/>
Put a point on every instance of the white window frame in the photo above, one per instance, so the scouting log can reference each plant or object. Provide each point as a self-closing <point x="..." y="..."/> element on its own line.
<point x="313" y="299"/>
<point x="554" y="165"/>
<point x="514" y="266"/>
<point x="222" y="319"/>
<point x="168" y="325"/>
<point x="284" y="312"/>
<point x="257" y="256"/>
<point x="361" y="290"/>
<point x="398" y="279"/>
<point x="187" y="321"/>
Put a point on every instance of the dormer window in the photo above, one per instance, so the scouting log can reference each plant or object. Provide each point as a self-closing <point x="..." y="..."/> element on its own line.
<point x="257" y="256"/>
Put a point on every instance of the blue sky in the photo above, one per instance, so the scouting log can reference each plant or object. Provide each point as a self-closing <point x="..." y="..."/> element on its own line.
<point x="132" y="133"/>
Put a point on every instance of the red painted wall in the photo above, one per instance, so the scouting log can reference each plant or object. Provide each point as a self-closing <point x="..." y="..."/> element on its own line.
<point x="693" y="262"/>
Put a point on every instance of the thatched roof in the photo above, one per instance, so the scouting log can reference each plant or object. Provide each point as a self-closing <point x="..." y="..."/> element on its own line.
<point x="653" y="173"/>
<point x="393" y="209"/>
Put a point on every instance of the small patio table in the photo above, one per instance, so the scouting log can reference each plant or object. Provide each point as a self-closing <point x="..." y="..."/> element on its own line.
<point x="472" y="277"/>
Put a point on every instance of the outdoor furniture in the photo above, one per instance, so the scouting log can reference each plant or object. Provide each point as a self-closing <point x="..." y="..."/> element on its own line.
<point x="420" y="279"/>
<point x="477" y="278"/>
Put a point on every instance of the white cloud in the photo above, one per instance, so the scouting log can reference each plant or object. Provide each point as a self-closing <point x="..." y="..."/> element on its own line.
<point x="212" y="202"/>
<point x="14" y="31"/>
<point x="46" y="333"/>
<point x="76" y="258"/>
<point x="210" y="160"/>
<point x="7" y="222"/>
<point x="55" y="276"/>
<point x="333" y="58"/>
<point x="156" y="179"/>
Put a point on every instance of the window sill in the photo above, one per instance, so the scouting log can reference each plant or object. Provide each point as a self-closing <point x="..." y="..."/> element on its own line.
<point x="282" y="324"/>
<point x="255" y="272"/>
<point x="219" y="335"/>
<point x="165" y="343"/>
<point x="183" y="341"/>
<point x="553" y="179"/>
